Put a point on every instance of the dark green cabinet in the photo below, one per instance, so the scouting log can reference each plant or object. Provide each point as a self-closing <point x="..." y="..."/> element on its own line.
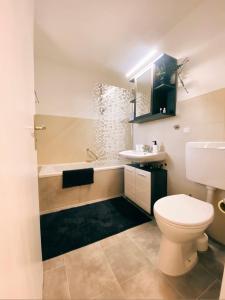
<point x="163" y="90"/>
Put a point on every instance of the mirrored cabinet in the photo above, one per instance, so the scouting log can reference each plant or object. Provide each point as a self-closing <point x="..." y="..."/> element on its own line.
<point x="143" y="88"/>
<point x="155" y="91"/>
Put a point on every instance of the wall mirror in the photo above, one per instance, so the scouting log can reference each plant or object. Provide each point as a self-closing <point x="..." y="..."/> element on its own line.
<point x="143" y="87"/>
<point x="155" y="91"/>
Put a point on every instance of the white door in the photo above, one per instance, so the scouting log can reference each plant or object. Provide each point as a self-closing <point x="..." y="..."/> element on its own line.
<point x="143" y="189"/>
<point x="129" y="182"/>
<point x="20" y="251"/>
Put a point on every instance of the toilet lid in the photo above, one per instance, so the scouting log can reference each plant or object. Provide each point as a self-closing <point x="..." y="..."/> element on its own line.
<point x="184" y="210"/>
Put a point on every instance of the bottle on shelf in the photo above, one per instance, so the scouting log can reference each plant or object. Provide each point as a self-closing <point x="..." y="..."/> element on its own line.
<point x="155" y="147"/>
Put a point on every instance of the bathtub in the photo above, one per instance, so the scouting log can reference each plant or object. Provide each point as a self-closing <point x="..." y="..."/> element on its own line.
<point x="56" y="169"/>
<point x="108" y="183"/>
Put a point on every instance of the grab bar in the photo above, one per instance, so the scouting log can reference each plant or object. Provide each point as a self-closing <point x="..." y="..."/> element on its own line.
<point x="92" y="153"/>
<point x="41" y="127"/>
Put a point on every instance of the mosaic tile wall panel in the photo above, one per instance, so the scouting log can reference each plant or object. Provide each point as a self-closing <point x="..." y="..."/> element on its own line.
<point x="113" y="132"/>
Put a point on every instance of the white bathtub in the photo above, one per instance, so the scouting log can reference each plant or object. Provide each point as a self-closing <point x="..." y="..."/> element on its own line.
<point x="108" y="184"/>
<point x="56" y="169"/>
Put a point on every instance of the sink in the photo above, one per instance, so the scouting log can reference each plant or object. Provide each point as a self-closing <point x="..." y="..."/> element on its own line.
<point x="141" y="157"/>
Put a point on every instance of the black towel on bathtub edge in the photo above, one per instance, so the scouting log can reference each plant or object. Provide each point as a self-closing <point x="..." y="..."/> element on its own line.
<point x="78" y="177"/>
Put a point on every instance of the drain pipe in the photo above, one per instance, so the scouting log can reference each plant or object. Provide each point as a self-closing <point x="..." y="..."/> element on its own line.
<point x="202" y="241"/>
<point x="210" y="192"/>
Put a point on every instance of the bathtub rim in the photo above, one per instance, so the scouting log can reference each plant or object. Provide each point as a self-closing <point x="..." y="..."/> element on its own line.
<point x="96" y="168"/>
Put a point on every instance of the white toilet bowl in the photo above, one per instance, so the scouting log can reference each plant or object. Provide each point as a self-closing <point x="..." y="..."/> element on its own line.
<point x="182" y="220"/>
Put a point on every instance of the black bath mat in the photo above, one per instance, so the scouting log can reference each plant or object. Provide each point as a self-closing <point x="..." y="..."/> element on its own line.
<point x="73" y="228"/>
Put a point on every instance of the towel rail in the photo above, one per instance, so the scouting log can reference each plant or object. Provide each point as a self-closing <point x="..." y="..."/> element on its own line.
<point x="89" y="151"/>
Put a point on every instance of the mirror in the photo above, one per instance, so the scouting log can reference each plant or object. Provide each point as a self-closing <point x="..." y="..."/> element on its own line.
<point x="143" y="93"/>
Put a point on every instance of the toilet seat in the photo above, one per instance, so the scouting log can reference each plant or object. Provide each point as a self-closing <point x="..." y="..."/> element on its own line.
<point x="184" y="211"/>
<point x="184" y="226"/>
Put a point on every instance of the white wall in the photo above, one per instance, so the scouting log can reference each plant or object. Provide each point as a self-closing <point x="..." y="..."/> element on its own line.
<point x="20" y="253"/>
<point x="67" y="90"/>
<point x="201" y="37"/>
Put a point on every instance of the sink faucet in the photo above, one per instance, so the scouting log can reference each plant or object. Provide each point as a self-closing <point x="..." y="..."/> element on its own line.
<point x="147" y="148"/>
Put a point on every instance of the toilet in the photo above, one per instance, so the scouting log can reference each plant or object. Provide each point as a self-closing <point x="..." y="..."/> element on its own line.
<point x="182" y="220"/>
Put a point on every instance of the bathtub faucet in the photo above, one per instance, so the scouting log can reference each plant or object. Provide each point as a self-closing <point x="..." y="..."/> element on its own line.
<point x="92" y="155"/>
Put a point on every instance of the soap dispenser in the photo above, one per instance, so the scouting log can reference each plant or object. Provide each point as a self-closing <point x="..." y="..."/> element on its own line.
<point x="154" y="147"/>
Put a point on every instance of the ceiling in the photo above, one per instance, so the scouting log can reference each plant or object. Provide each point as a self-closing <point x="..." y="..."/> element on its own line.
<point x="111" y="34"/>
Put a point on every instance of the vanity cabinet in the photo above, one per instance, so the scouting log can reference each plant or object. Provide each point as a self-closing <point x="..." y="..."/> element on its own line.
<point x="129" y="182"/>
<point x="143" y="189"/>
<point x="144" y="186"/>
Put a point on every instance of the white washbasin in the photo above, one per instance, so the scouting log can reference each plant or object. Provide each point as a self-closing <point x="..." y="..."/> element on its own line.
<point x="205" y="163"/>
<point x="139" y="156"/>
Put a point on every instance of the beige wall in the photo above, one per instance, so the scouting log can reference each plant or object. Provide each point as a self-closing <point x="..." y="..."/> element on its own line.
<point x="20" y="251"/>
<point x="201" y="37"/>
<point x="66" y="107"/>
<point x="204" y="118"/>
<point x="65" y="139"/>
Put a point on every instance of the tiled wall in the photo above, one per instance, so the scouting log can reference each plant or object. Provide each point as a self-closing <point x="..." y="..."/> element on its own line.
<point x="113" y="132"/>
<point x="65" y="139"/>
<point x="107" y="184"/>
<point x="203" y="118"/>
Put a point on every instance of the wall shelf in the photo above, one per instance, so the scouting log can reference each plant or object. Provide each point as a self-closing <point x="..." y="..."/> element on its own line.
<point x="164" y="86"/>
<point x="150" y="117"/>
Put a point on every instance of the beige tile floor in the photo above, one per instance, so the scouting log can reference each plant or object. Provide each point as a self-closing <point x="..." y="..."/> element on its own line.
<point x="124" y="267"/>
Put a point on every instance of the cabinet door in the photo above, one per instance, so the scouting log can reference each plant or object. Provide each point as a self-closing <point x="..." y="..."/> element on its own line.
<point x="143" y="189"/>
<point x="129" y="182"/>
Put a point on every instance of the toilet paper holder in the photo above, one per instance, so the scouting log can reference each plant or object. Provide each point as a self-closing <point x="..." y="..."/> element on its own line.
<point x="221" y="205"/>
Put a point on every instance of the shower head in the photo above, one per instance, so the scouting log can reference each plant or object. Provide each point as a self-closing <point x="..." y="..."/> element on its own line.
<point x="102" y="110"/>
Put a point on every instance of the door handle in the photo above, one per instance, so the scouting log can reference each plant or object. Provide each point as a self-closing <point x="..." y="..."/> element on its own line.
<point x="41" y="127"/>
